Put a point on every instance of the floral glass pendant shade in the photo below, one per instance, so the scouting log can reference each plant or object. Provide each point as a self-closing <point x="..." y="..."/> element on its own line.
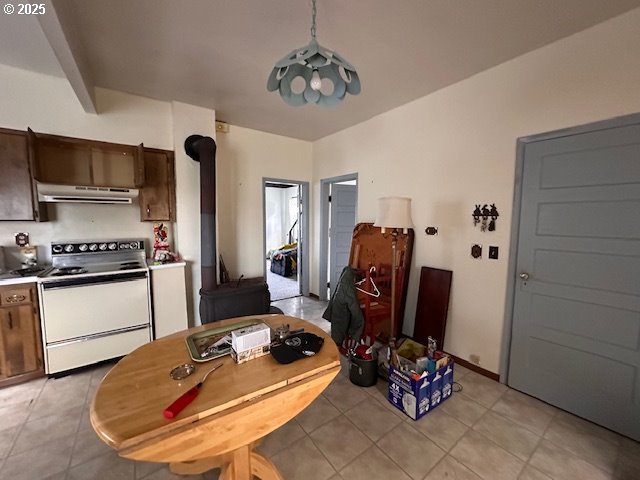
<point x="318" y="67"/>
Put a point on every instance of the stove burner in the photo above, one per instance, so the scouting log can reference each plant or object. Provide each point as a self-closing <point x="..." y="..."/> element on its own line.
<point x="130" y="265"/>
<point x="69" y="271"/>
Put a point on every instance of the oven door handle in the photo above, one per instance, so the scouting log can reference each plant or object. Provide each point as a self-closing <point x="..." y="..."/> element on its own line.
<point x="63" y="343"/>
<point x="93" y="280"/>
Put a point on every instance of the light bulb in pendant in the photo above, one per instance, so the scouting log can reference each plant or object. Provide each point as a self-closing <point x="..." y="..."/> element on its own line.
<point x="316" y="82"/>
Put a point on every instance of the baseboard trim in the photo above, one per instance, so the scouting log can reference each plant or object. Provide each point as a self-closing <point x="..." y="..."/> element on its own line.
<point x="313" y="295"/>
<point x="24" y="377"/>
<point x="475" y="368"/>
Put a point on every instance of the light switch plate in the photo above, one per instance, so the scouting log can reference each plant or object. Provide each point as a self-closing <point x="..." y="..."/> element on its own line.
<point x="493" y="252"/>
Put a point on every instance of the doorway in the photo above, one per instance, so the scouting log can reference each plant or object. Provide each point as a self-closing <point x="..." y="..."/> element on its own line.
<point x="285" y="234"/>
<point x="573" y="313"/>
<point x="338" y="213"/>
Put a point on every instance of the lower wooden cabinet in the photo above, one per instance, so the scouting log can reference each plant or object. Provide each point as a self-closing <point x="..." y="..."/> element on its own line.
<point x="20" y="338"/>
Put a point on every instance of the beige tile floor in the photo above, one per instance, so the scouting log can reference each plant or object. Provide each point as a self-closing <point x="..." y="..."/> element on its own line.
<point x="487" y="431"/>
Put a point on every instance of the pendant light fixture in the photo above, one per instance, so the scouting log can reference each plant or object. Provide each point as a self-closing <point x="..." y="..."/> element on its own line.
<point x="327" y="77"/>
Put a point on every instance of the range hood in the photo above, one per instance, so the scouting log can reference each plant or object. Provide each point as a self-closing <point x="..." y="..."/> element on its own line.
<point x="85" y="194"/>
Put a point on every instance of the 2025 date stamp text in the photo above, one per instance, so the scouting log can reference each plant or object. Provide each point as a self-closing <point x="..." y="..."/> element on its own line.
<point x="24" y="9"/>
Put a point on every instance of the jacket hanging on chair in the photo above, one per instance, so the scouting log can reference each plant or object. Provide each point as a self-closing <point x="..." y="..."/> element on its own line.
<point x="343" y="310"/>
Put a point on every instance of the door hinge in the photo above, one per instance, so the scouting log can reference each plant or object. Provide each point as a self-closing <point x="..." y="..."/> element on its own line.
<point x="328" y="284"/>
<point x="329" y="198"/>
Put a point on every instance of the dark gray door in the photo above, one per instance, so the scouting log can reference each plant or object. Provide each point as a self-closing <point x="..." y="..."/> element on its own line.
<point x="342" y="221"/>
<point x="576" y="318"/>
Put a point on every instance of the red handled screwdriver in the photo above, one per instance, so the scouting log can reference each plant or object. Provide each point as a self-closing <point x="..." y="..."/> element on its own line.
<point x="186" y="398"/>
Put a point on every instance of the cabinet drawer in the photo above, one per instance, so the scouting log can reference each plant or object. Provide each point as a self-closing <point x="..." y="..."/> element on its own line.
<point x="15" y="296"/>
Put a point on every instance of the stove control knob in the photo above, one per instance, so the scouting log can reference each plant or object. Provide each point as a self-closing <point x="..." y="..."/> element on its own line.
<point x="57" y="249"/>
<point x="68" y="248"/>
<point x="112" y="246"/>
<point x="133" y="245"/>
<point x="103" y="246"/>
<point x="83" y="247"/>
<point x="93" y="247"/>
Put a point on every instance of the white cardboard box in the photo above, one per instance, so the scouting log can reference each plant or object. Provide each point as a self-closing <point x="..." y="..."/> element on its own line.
<point x="250" y="337"/>
<point x="246" y="355"/>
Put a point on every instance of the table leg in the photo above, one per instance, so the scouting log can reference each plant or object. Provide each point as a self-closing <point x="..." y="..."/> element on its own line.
<point x="197" y="467"/>
<point x="239" y="468"/>
<point x="241" y="464"/>
<point x="263" y="468"/>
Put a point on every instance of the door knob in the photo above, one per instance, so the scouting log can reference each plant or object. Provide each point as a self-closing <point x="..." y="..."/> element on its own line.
<point x="524" y="276"/>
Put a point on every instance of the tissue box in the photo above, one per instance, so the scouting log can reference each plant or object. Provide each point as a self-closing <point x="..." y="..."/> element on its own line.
<point x="250" y="342"/>
<point x="418" y="397"/>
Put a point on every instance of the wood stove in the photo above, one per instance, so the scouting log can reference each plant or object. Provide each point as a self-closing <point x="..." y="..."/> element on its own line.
<point x="233" y="299"/>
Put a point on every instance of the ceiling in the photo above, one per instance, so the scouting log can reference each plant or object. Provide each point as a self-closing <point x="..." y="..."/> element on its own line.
<point x="219" y="53"/>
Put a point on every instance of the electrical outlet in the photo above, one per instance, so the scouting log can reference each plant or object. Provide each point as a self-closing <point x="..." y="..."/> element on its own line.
<point x="431" y="230"/>
<point x="474" y="358"/>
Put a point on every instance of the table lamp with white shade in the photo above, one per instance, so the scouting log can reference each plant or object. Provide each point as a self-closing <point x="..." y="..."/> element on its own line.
<point x="394" y="219"/>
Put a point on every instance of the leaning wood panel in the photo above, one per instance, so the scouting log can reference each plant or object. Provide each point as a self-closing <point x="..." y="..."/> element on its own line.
<point x="370" y="248"/>
<point x="433" y="305"/>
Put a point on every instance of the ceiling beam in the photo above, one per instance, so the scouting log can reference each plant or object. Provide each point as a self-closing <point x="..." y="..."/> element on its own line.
<point x="57" y="29"/>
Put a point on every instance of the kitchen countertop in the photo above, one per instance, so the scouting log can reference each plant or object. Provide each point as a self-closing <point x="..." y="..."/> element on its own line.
<point x="165" y="265"/>
<point x="8" y="279"/>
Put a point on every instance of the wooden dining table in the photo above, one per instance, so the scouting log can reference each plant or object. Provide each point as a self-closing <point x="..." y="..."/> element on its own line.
<point x="236" y="407"/>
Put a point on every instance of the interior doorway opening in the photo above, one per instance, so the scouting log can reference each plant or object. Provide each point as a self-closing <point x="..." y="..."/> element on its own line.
<point x="338" y="214"/>
<point x="285" y="232"/>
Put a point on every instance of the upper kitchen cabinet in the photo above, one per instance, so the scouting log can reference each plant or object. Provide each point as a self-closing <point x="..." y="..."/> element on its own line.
<point x="157" y="197"/>
<point x="73" y="161"/>
<point x="18" y="197"/>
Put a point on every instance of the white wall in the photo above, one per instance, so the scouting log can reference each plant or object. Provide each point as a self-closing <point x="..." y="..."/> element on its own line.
<point x="47" y="104"/>
<point x="245" y="157"/>
<point x="189" y="120"/>
<point x="291" y="209"/>
<point x="274" y="200"/>
<point x="455" y="148"/>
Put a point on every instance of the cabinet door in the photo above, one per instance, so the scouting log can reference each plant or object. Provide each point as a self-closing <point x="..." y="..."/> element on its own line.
<point x="19" y="336"/>
<point x="139" y="166"/>
<point x="113" y="165"/>
<point x="157" y="197"/>
<point x="62" y="160"/>
<point x="16" y="194"/>
<point x="77" y="161"/>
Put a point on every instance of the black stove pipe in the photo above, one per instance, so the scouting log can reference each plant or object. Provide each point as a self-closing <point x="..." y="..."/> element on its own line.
<point x="203" y="150"/>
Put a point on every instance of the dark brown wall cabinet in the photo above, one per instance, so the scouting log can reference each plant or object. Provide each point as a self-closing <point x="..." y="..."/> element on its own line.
<point x="20" y="339"/>
<point x="158" y="197"/>
<point x="74" y="161"/>
<point x="18" y="197"/>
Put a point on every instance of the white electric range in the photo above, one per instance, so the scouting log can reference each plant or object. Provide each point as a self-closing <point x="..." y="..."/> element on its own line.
<point x="95" y="302"/>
